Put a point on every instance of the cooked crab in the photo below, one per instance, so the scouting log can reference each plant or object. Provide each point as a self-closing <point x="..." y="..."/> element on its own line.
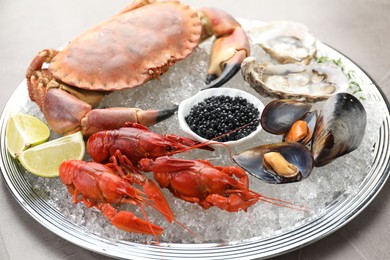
<point x="124" y="52"/>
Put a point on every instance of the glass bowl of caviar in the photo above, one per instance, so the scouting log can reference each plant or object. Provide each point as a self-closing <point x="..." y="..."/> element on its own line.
<point x="226" y="115"/>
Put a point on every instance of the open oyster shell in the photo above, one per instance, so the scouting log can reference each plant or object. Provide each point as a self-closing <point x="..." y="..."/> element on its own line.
<point x="313" y="82"/>
<point x="285" y="41"/>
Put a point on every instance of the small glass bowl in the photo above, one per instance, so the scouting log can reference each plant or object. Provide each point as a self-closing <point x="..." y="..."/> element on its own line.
<point x="186" y="105"/>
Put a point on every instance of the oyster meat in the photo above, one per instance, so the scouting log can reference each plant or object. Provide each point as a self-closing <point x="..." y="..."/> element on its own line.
<point x="286" y="42"/>
<point x="313" y="82"/>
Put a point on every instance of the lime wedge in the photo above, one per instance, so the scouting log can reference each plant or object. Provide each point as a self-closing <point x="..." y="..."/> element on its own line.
<point x="24" y="131"/>
<point x="45" y="159"/>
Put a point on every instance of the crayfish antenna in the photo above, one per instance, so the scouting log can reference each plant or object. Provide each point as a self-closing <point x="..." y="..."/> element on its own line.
<point x="282" y="203"/>
<point x="150" y="225"/>
<point x="205" y="145"/>
<point x="187" y="228"/>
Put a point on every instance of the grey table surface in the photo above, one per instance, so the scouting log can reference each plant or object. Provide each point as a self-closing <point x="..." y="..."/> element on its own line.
<point x="358" y="28"/>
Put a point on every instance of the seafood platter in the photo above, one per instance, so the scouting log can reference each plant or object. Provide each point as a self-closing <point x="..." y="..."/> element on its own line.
<point x="301" y="153"/>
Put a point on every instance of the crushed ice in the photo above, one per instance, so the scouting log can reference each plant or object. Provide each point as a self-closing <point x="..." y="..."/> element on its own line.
<point x="325" y="186"/>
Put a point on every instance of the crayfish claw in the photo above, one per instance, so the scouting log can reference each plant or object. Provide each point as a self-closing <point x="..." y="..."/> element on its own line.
<point x="129" y="222"/>
<point x="154" y="193"/>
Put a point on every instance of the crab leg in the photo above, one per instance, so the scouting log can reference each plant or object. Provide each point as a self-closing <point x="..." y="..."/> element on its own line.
<point x="229" y="49"/>
<point x="68" y="110"/>
<point x="38" y="78"/>
<point x="113" y="118"/>
<point x="67" y="114"/>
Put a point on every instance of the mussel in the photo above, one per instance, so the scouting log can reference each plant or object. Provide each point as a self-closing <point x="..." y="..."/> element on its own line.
<point x="302" y="130"/>
<point x="277" y="163"/>
<point x="279" y="115"/>
<point x="340" y="128"/>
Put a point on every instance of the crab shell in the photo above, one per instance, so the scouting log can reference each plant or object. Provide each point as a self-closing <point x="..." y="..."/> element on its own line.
<point x="130" y="48"/>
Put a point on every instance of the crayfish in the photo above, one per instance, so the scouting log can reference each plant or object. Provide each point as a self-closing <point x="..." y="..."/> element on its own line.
<point x="198" y="181"/>
<point x="134" y="149"/>
<point x="100" y="186"/>
<point x="136" y="142"/>
<point x="195" y="181"/>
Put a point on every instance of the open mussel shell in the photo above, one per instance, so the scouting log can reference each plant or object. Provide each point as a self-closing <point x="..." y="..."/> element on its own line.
<point x="252" y="161"/>
<point x="340" y="128"/>
<point x="279" y="115"/>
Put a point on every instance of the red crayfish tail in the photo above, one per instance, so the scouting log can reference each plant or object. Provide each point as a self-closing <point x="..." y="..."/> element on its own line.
<point x="154" y="193"/>
<point x="129" y="222"/>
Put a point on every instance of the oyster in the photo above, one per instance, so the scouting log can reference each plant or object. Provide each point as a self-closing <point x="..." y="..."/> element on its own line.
<point x="313" y="82"/>
<point x="277" y="163"/>
<point x="340" y="128"/>
<point x="285" y="41"/>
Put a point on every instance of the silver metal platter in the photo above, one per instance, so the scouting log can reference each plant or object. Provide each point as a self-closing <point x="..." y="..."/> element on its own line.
<point x="331" y="217"/>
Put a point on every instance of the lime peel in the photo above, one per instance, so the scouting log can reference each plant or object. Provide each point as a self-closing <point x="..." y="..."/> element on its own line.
<point x="45" y="159"/>
<point x="24" y="131"/>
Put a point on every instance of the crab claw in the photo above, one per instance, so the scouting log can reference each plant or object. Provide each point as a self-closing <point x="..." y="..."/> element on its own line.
<point x="227" y="55"/>
<point x="113" y="118"/>
<point x="230" y="48"/>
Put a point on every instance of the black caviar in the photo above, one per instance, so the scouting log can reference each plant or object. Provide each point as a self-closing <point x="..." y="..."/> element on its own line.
<point x="219" y="115"/>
